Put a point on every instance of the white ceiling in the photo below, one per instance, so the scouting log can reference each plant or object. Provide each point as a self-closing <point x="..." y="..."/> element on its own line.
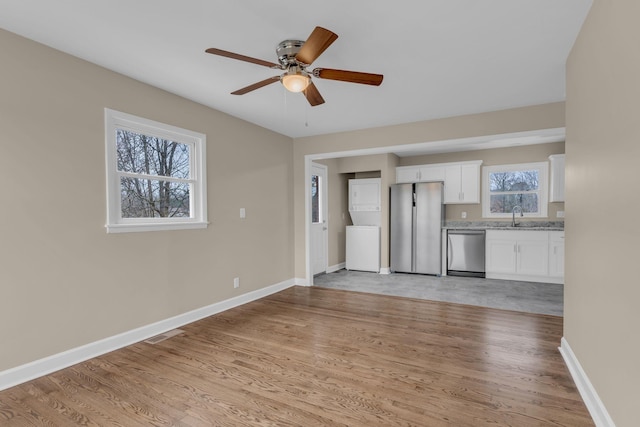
<point x="439" y="58"/>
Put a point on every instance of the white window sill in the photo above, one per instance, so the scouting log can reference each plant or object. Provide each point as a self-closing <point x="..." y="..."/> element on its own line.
<point x="132" y="228"/>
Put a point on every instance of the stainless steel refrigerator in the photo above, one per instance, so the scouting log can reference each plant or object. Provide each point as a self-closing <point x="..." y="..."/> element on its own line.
<point x="417" y="213"/>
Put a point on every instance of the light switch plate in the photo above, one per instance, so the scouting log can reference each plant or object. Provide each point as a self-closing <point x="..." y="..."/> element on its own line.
<point x="243" y="213"/>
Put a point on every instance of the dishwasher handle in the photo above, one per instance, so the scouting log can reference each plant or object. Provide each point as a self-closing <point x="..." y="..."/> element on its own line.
<point x="471" y="232"/>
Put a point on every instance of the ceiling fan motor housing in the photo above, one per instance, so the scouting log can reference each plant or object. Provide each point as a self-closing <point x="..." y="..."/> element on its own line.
<point x="287" y="51"/>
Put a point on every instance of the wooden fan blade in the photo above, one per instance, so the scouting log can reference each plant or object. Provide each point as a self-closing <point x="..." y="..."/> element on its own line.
<point x="319" y="40"/>
<point x="256" y="85"/>
<point x="349" y="76"/>
<point x="312" y="95"/>
<point x="239" y="57"/>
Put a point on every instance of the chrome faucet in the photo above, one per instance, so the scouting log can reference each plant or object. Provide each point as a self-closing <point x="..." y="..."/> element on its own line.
<point x="513" y="213"/>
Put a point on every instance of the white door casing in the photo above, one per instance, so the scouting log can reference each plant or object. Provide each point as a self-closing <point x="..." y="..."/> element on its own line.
<point x="319" y="221"/>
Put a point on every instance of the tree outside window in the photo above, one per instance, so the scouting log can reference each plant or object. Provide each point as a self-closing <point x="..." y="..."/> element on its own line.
<point x="145" y="160"/>
<point x="508" y="186"/>
<point x="315" y="199"/>
<point x="514" y="188"/>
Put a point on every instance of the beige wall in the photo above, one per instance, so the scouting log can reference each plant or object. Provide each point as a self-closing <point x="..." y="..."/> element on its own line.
<point x="499" y="122"/>
<point x="64" y="282"/>
<point x="602" y="288"/>
<point x="497" y="156"/>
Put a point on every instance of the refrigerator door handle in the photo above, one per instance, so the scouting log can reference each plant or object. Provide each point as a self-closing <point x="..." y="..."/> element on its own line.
<point x="414" y="241"/>
<point x="449" y="252"/>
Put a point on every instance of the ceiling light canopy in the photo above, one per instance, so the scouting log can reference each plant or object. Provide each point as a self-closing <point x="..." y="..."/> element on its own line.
<point x="295" y="79"/>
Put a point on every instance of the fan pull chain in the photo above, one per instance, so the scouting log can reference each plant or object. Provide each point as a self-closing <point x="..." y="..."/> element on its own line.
<point x="306" y="116"/>
<point x="284" y="111"/>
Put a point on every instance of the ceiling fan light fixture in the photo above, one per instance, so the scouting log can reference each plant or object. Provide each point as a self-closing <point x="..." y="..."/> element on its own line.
<point x="296" y="80"/>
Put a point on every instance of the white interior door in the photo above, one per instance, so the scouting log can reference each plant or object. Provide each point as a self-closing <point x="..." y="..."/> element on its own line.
<point x="319" y="224"/>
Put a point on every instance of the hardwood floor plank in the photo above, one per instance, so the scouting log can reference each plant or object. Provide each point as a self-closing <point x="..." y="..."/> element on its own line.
<point x="317" y="356"/>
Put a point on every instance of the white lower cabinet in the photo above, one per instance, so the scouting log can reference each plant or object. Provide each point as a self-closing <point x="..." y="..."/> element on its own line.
<point x="500" y="254"/>
<point x="525" y="255"/>
<point x="556" y="254"/>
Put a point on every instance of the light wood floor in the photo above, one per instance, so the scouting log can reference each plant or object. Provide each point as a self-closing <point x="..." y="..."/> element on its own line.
<point x="321" y="357"/>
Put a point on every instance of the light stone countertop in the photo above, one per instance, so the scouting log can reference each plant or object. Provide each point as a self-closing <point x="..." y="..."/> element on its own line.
<point x="504" y="225"/>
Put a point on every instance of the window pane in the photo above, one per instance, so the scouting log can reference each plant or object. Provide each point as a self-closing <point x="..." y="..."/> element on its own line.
<point x="315" y="199"/>
<point x="147" y="198"/>
<point x="150" y="155"/>
<point x="504" y="203"/>
<point x="526" y="180"/>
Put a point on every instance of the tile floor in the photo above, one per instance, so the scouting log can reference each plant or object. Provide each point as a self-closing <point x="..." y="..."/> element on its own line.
<point x="541" y="298"/>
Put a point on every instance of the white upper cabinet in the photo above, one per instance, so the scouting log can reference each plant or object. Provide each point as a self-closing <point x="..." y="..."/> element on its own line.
<point x="425" y="173"/>
<point x="407" y="174"/>
<point x="556" y="186"/>
<point x="461" y="180"/>
<point x="431" y="173"/>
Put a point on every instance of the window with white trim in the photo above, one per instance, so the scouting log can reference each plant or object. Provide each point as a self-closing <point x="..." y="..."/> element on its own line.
<point x="156" y="175"/>
<point x="507" y="186"/>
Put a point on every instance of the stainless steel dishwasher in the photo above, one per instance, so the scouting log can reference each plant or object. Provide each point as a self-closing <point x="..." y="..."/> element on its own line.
<point x="465" y="253"/>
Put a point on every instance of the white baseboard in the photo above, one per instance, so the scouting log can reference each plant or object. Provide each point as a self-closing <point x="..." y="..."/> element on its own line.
<point x="336" y="267"/>
<point x="525" y="278"/>
<point x="299" y="281"/>
<point x="591" y="399"/>
<point x="385" y="270"/>
<point x="20" y="374"/>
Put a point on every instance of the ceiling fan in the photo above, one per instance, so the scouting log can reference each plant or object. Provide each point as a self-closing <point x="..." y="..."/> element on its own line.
<point x="294" y="56"/>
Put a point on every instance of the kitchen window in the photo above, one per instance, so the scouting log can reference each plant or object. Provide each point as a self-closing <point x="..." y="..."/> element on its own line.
<point x="507" y="186"/>
<point x="156" y="176"/>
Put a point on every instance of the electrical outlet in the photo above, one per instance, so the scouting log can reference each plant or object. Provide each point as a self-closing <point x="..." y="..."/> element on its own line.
<point x="464" y="215"/>
<point x="243" y="213"/>
<point x="560" y="214"/>
<point x="236" y="282"/>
